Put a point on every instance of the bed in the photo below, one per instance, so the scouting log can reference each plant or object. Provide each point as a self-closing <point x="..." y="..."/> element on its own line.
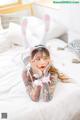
<point x="15" y="103"/>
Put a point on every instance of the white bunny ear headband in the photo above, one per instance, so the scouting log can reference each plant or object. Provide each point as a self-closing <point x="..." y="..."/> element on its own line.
<point x="34" y="31"/>
<point x="28" y="52"/>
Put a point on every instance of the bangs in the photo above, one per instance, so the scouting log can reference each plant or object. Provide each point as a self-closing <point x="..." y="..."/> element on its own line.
<point x="40" y="49"/>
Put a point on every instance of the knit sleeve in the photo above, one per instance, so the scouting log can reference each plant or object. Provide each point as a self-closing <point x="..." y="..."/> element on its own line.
<point x="52" y="85"/>
<point x="33" y="91"/>
<point x="54" y="79"/>
<point x="27" y="81"/>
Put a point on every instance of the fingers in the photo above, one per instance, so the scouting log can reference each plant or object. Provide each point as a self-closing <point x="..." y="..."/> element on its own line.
<point x="46" y="80"/>
<point x="37" y="83"/>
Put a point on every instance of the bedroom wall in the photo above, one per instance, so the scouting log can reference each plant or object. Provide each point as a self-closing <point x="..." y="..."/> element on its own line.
<point x="69" y="15"/>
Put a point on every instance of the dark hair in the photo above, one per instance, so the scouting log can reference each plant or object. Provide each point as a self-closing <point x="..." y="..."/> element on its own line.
<point x="40" y="48"/>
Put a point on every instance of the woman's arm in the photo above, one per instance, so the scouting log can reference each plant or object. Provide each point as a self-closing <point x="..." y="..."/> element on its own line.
<point x="33" y="91"/>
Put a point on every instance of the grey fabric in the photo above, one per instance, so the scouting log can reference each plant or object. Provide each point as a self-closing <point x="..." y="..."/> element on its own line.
<point x="64" y="37"/>
<point x="74" y="46"/>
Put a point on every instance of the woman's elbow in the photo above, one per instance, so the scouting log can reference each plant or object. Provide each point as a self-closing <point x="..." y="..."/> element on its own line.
<point x="34" y="98"/>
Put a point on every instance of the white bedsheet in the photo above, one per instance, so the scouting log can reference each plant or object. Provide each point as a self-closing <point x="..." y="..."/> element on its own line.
<point x="63" y="59"/>
<point x="15" y="102"/>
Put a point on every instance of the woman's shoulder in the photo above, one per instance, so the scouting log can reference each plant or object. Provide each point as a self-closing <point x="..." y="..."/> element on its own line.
<point x="24" y="74"/>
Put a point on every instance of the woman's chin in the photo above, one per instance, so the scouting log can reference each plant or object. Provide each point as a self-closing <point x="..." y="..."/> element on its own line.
<point x="42" y="69"/>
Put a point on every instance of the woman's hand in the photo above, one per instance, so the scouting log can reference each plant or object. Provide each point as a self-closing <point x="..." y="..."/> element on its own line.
<point x="35" y="94"/>
<point x="36" y="71"/>
<point x="46" y="79"/>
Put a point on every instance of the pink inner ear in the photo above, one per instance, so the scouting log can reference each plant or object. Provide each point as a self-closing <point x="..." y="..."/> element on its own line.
<point x="24" y="26"/>
<point x="46" y="19"/>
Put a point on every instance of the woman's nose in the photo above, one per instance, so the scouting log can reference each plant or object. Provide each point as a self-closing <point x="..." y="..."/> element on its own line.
<point x="42" y="61"/>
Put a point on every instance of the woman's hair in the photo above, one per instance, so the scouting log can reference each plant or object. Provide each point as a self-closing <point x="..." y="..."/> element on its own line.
<point x="39" y="48"/>
<point x="61" y="76"/>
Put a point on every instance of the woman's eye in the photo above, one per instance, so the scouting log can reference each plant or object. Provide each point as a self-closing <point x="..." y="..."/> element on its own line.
<point x="45" y="58"/>
<point x="38" y="59"/>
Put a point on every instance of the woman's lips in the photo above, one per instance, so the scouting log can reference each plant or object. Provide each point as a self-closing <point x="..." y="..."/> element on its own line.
<point x="42" y="67"/>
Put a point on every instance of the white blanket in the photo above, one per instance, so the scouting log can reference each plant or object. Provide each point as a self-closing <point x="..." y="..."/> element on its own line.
<point x="15" y="102"/>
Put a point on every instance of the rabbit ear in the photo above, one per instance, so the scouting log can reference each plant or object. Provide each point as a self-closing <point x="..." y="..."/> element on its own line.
<point x="34" y="30"/>
<point x="46" y="19"/>
<point x="24" y="26"/>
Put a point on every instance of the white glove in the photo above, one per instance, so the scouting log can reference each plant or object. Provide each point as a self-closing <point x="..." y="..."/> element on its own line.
<point x="37" y="83"/>
<point x="46" y="79"/>
<point x="40" y="82"/>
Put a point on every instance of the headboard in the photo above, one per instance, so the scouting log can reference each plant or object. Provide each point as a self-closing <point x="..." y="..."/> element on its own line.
<point x="15" y="6"/>
<point x="13" y="12"/>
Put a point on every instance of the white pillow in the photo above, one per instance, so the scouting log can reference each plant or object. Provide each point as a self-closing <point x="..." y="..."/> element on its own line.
<point x="56" y="29"/>
<point x="15" y="34"/>
<point x="56" y="43"/>
<point x="73" y="35"/>
<point x="4" y="43"/>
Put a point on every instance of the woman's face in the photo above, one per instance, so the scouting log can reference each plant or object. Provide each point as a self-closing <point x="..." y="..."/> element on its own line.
<point x="40" y="61"/>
